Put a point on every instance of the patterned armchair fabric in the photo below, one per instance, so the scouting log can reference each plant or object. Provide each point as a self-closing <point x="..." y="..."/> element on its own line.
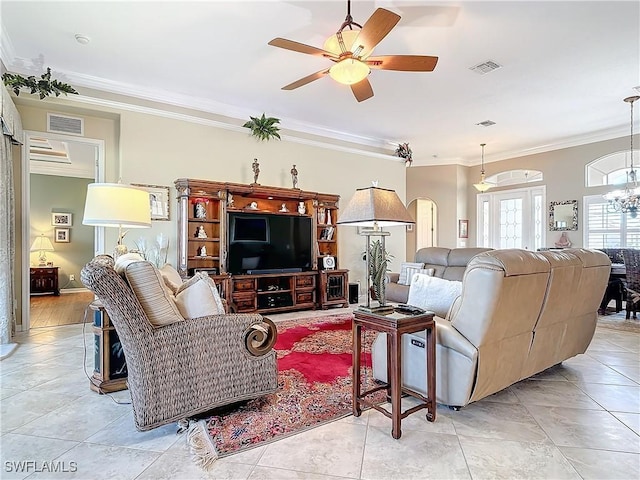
<point x="632" y="269"/>
<point x="179" y="370"/>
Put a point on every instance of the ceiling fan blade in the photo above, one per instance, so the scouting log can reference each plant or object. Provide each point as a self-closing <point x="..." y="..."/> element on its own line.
<point x="362" y="90"/>
<point x="377" y="27"/>
<point x="307" y="79"/>
<point x="403" y="63"/>
<point x="300" y="47"/>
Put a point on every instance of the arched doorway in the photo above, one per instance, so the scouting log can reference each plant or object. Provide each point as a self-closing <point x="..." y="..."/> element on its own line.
<point x="424" y="233"/>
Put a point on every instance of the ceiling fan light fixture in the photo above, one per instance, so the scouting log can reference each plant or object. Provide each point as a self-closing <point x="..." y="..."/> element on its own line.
<point x="332" y="44"/>
<point x="349" y="71"/>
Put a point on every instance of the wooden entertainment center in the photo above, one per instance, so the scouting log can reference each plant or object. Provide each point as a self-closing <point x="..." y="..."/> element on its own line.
<point x="204" y="209"/>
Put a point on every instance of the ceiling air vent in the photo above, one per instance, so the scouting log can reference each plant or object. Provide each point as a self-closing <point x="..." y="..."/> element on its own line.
<point x="485" y="67"/>
<point x="57" y="123"/>
<point x="486" y="123"/>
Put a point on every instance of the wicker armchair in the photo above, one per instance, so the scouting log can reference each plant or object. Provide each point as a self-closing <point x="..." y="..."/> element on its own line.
<point x="189" y="367"/>
<point x="632" y="269"/>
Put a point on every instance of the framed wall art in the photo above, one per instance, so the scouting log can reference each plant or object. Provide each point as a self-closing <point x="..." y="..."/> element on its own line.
<point x="158" y="200"/>
<point x="61" y="219"/>
<point x="61" y="235"/>
<point x="463" y="228"/>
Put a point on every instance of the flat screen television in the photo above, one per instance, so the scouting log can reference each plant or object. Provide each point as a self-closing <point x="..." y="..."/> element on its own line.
<point x="268" y="243"/>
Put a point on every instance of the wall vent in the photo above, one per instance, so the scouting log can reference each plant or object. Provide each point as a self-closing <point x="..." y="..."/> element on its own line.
<point x="486" y="123"/>
<point x="57" y="123"/>
<point x="485" y="67"/>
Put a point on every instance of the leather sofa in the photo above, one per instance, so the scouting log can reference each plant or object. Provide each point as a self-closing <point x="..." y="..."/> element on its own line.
<point x="519" y="313"/>
<point x="448" y="263"/>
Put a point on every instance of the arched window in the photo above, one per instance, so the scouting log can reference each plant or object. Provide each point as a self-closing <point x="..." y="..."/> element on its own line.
<point x="610" y="169"/>
<point x="514" y="177"/>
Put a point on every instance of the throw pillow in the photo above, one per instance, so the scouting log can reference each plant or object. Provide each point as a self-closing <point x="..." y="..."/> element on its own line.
<point x="171" y="277"/>
<point x="404" y="276"/>
<point x="199" y="297"/>
<point x="433" y="293"/>
<point x="154" y="297"/>
<point x="411" y="271"/>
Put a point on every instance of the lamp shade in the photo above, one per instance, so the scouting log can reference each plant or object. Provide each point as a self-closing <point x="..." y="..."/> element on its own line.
<point x="42" y="244"/>
<point x="375" y="206"/>
<point x="116" y="205"/>
<point x="349" y="71"/>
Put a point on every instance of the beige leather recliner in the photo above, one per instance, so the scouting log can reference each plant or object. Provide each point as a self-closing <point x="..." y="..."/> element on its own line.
<point x="519" y="313"/>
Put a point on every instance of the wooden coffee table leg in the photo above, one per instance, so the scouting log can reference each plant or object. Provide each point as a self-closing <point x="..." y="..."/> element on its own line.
<point x="396" y="387"/>
<point x="357" y="345"/>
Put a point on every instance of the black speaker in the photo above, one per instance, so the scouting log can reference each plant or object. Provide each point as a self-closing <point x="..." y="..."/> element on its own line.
<point x="353" y="293"/>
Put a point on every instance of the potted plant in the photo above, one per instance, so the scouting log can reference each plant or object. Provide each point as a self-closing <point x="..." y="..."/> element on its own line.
<point x="264" y="128"/>
<point x="404" y="151"/>
<point x="44" y="86"/>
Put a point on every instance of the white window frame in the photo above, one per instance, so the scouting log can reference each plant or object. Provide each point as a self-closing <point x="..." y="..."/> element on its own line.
<point x="490" y="237"/>
<point x="628" y="233"/>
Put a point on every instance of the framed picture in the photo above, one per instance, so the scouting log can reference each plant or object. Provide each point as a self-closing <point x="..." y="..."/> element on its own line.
<point x="61" y="219"/>
<point x="61" y="235"/>
<point x="463" y="228"/>
<point x="158" y="200"/>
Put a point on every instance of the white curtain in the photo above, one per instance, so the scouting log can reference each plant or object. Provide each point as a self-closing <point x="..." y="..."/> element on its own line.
<point x="11" y="133"/>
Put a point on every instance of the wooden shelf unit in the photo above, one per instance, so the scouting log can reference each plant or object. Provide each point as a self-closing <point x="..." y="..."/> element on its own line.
<point x="268" y="292"/>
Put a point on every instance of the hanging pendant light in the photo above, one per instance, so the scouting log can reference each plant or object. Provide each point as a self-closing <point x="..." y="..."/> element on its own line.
<point x="627" y="200"/>
<point x="482" y="186"/>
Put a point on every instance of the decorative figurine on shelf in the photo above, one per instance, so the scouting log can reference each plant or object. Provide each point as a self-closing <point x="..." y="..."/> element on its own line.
<point x="302" y="209"/>
<point x="230" y="201"/>
<point x="201" y="211"/>
<point x="283" y="208"/>
<point x="563" y="241"/>
<point x="203" y="251"/>
<point x="256" y="170"/>
<point x="321" y="215"/>
<point x="294" y="176"/>
<point x="253" y="206"/>
<point x="328" y="217"/>
<point x="200" y="233"/>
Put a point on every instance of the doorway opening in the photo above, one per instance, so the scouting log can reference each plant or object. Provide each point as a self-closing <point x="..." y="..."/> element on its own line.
<point x="424" y="233"/>
<point x="56" y="170"/>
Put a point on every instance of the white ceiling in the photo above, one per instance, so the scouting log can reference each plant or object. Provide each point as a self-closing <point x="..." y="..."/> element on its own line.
<point x="566" y="66"/>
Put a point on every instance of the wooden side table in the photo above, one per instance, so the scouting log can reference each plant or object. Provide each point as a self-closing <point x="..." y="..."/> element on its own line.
<point x="44" y="280"/>
<point x="395" y="325"/>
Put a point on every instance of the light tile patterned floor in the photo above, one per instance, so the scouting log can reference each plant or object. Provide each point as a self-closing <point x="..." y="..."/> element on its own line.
<point x="577" y="420"/>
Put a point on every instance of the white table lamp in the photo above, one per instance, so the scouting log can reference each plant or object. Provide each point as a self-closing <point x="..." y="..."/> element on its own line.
<point x="117" y="205"/>
<point x="42" y="244"/>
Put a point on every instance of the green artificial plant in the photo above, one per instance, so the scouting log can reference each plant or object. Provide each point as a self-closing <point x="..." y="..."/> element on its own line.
<point x="264" y="128"/>
<point x="378" y="262"/>
<point x="44" y="86"/>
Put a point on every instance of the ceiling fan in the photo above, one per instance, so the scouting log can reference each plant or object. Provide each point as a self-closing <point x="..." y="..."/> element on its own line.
<point x="350" y="51"/>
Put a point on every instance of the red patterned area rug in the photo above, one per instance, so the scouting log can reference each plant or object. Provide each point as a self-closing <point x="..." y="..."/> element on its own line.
<point x="314" y="388"/>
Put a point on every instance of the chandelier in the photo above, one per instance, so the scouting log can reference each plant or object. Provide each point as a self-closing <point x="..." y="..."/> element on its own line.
<point x="627" y="200"/>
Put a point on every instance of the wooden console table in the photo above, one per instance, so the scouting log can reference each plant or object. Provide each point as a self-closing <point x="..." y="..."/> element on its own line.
<point x="395" y="325"/>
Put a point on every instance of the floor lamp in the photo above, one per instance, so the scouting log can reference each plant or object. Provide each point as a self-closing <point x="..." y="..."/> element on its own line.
<point x="117" y="205"/>
<point x="374" y="208"/>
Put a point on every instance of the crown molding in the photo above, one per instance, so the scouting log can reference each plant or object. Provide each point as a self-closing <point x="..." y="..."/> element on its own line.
<point x="200" y="104"/>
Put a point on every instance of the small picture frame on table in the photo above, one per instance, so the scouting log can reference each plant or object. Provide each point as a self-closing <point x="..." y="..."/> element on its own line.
<point x="463" y="228"/>
<point x="158" y="200"/>
<point x="61" y="235"/>
<point x="59" y="219"/>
